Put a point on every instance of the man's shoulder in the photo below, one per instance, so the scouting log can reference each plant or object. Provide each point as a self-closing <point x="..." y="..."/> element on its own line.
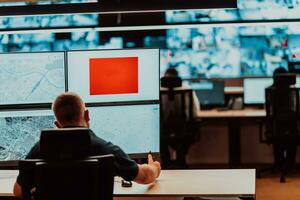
<point x="100" y="145"/>
<point x="98" y="141"/>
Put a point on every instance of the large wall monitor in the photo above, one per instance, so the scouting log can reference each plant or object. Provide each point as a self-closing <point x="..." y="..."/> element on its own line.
<point x="114" y="75"/>
<point x="135" y="128"/>
<point x="20" y="130"/>
<point x="31" y="78"/>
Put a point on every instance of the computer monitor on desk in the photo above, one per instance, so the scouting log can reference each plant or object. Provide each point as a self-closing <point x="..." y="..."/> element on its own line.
<point x="254" y="89"/>
<point x="31" y="78"/>
<point x="135" y="128"/>
<point x="209" y="92"/>
<point x="118" y="75"/>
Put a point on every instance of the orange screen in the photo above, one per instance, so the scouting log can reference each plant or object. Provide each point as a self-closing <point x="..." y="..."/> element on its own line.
<point x="113" y="75"/>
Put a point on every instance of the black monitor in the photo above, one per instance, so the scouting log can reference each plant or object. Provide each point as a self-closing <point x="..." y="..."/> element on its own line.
<point x="209" y="92"/>
<point x="294" y="67"/>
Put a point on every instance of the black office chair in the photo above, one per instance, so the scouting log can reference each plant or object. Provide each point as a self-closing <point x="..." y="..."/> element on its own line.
<point x="177" y="127"/>
<point x="67" y="172"/>
<point x="282" y="123"/>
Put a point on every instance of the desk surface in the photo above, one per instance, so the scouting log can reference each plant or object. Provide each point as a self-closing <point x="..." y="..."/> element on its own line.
<point x="248" y="112"/>
<point x="233" y="183"/>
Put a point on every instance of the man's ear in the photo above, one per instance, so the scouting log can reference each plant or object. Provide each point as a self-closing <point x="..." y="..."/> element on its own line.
<point x="57" y="124"/>
<point x="87" y="116"/>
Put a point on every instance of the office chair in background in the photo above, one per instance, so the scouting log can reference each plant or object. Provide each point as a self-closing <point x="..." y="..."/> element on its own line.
<point x="178" y="129"/>
<point x="67" y="172"/>
<point x="282" y="123"/>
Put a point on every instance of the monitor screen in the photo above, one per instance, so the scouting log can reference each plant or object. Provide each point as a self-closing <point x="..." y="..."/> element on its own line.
<point x="31" y="78"/>
<point x="209" y="93"/>
<point x="114" y="75"/>
<point x="135" y="128"/>
<point x="254" y="90"/>
<point x="20" y="130"/>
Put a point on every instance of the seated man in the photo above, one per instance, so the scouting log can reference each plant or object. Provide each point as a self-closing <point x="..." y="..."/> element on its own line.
<point x="177" y="131"/>
<point x="70" y="111"/>
<point x="172" y="72"/>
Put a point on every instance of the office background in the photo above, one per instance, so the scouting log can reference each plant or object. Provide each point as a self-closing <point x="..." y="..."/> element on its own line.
<point x="230" y="44"/>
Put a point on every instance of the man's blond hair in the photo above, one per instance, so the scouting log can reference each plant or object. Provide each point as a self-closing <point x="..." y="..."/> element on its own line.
<point x="68" y="108"/>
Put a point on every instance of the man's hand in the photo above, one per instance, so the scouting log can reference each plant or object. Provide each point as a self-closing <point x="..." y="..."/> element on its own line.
<point x="154" y="164"/>
<point x="148" y="172"/>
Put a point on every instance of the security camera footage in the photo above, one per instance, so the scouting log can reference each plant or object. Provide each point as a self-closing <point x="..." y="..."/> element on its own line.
<point x="231" y="51"/>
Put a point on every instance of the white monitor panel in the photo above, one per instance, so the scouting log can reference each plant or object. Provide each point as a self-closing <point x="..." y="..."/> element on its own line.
<point x="114" y="75"/>
<point x="254" y="90"/>
<point x="31" y="78"/>
<point x="20" y="130"/>
<point x="135" y="128"/>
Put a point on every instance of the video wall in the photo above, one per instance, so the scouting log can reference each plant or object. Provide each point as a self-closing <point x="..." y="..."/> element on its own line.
<point x="252" y="40"/>
<point x="231" y="50"/>
<point x="120" y="87"/>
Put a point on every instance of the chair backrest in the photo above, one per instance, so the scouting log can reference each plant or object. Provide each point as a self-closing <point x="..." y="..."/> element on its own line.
<point x="89" y="179"/>
<point x="176" y="112"/>
<point x="65" y="143"/>
<point x="282" y="107"/>
<point x="170" y="83"/>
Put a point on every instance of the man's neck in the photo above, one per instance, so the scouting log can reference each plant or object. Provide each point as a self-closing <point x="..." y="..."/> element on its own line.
<point x="70" y="125"/>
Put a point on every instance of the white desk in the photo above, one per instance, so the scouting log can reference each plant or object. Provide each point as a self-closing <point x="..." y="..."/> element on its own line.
<point x="174" y="183"/>
<point x="244" y="113"/>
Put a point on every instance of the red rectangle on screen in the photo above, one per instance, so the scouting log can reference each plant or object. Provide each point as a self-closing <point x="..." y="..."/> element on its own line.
<point x="113" y="75"/>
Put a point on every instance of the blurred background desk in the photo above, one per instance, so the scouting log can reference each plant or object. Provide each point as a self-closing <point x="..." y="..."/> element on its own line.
<point x="172" y="184"/>
<point x="233" y="119"/>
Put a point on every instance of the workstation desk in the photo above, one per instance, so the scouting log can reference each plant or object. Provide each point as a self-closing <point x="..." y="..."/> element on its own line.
<point x="233" y="120"/>
<point x="235" y="183"/>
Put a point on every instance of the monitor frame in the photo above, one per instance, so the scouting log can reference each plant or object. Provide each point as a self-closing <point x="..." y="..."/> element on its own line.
<point x="114" y="103"/>
<point x="34" y="105"/>
<point x="212" y="105"/>
<point x="128" y="103"/>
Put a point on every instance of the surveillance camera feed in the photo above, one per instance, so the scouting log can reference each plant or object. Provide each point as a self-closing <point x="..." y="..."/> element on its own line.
<point x="234" y="49"/>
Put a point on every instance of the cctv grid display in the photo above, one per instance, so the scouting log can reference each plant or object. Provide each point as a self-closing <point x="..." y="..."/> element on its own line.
<point x="22" y="118"/>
